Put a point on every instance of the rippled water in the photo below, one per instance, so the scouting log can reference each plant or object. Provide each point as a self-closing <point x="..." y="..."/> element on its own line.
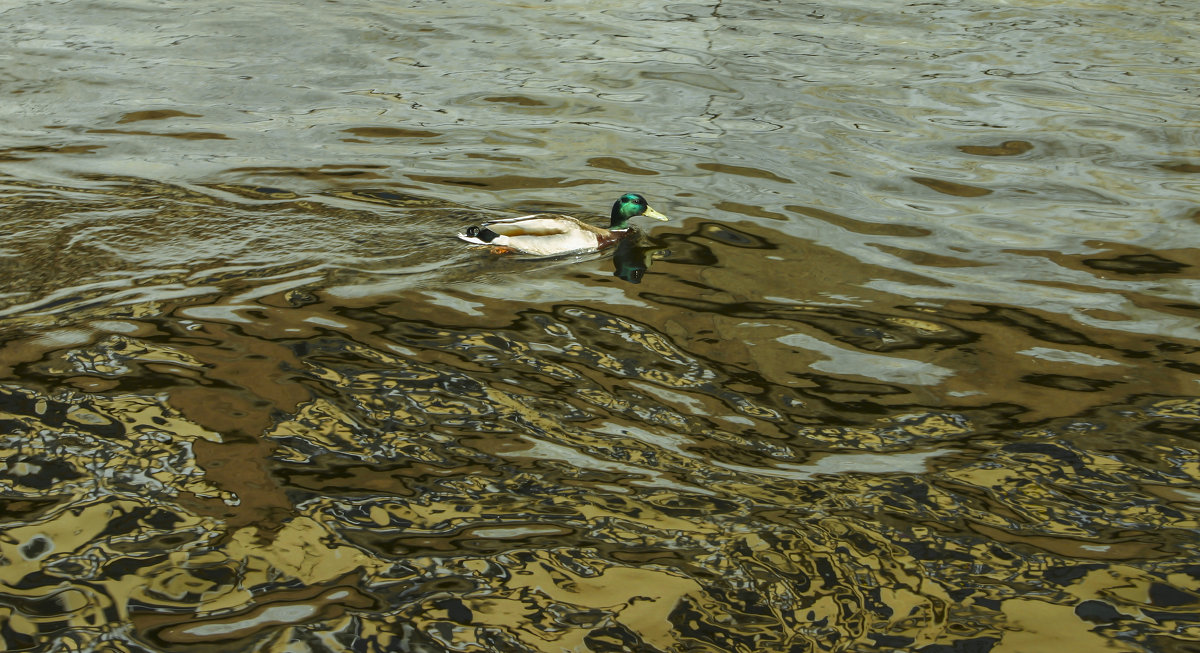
<point x="912" y="368"/>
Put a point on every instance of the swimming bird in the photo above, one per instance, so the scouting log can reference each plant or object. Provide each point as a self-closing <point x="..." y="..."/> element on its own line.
<point x="548" y="234"/>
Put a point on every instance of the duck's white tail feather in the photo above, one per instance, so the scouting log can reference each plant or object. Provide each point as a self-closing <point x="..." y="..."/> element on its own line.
<point x="470" y="239"/>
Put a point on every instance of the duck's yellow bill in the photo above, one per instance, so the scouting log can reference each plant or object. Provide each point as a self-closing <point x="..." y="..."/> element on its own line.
<point x="651" y="213"/>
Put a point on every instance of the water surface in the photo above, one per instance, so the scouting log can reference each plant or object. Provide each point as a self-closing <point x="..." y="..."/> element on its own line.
<point x="912" y="368"/>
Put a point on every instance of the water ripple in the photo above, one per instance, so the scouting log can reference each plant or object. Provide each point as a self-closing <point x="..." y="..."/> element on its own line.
<point x="912" y="367"/>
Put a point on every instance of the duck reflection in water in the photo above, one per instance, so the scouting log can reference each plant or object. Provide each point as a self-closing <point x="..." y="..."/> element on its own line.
<point x="634" y="254"/>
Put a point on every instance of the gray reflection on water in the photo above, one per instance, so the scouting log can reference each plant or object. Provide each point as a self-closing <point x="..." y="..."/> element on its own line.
<point x="886" y="116"/>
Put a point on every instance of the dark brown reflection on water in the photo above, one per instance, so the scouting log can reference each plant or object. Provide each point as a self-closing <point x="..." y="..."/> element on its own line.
<point x="727" y="461"/>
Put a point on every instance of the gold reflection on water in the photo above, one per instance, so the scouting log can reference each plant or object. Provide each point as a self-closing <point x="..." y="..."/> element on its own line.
<point x="195" y="136"/>
<point x="952" y="188"/>
<point x="157" y="114"/>
<point x="1007" y="148"/>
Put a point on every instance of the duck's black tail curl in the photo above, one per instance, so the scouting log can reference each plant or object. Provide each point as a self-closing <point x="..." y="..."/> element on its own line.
<point x="482" y="233"/>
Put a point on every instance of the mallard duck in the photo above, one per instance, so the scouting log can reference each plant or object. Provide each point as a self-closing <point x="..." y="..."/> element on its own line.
<point x="548" y="234"/>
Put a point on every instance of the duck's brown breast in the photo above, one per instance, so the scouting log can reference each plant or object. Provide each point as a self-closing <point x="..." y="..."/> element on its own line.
<point x="609" y="238"/>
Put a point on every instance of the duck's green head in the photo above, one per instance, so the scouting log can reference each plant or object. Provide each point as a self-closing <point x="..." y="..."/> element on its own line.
<point x="628" y="206"/>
